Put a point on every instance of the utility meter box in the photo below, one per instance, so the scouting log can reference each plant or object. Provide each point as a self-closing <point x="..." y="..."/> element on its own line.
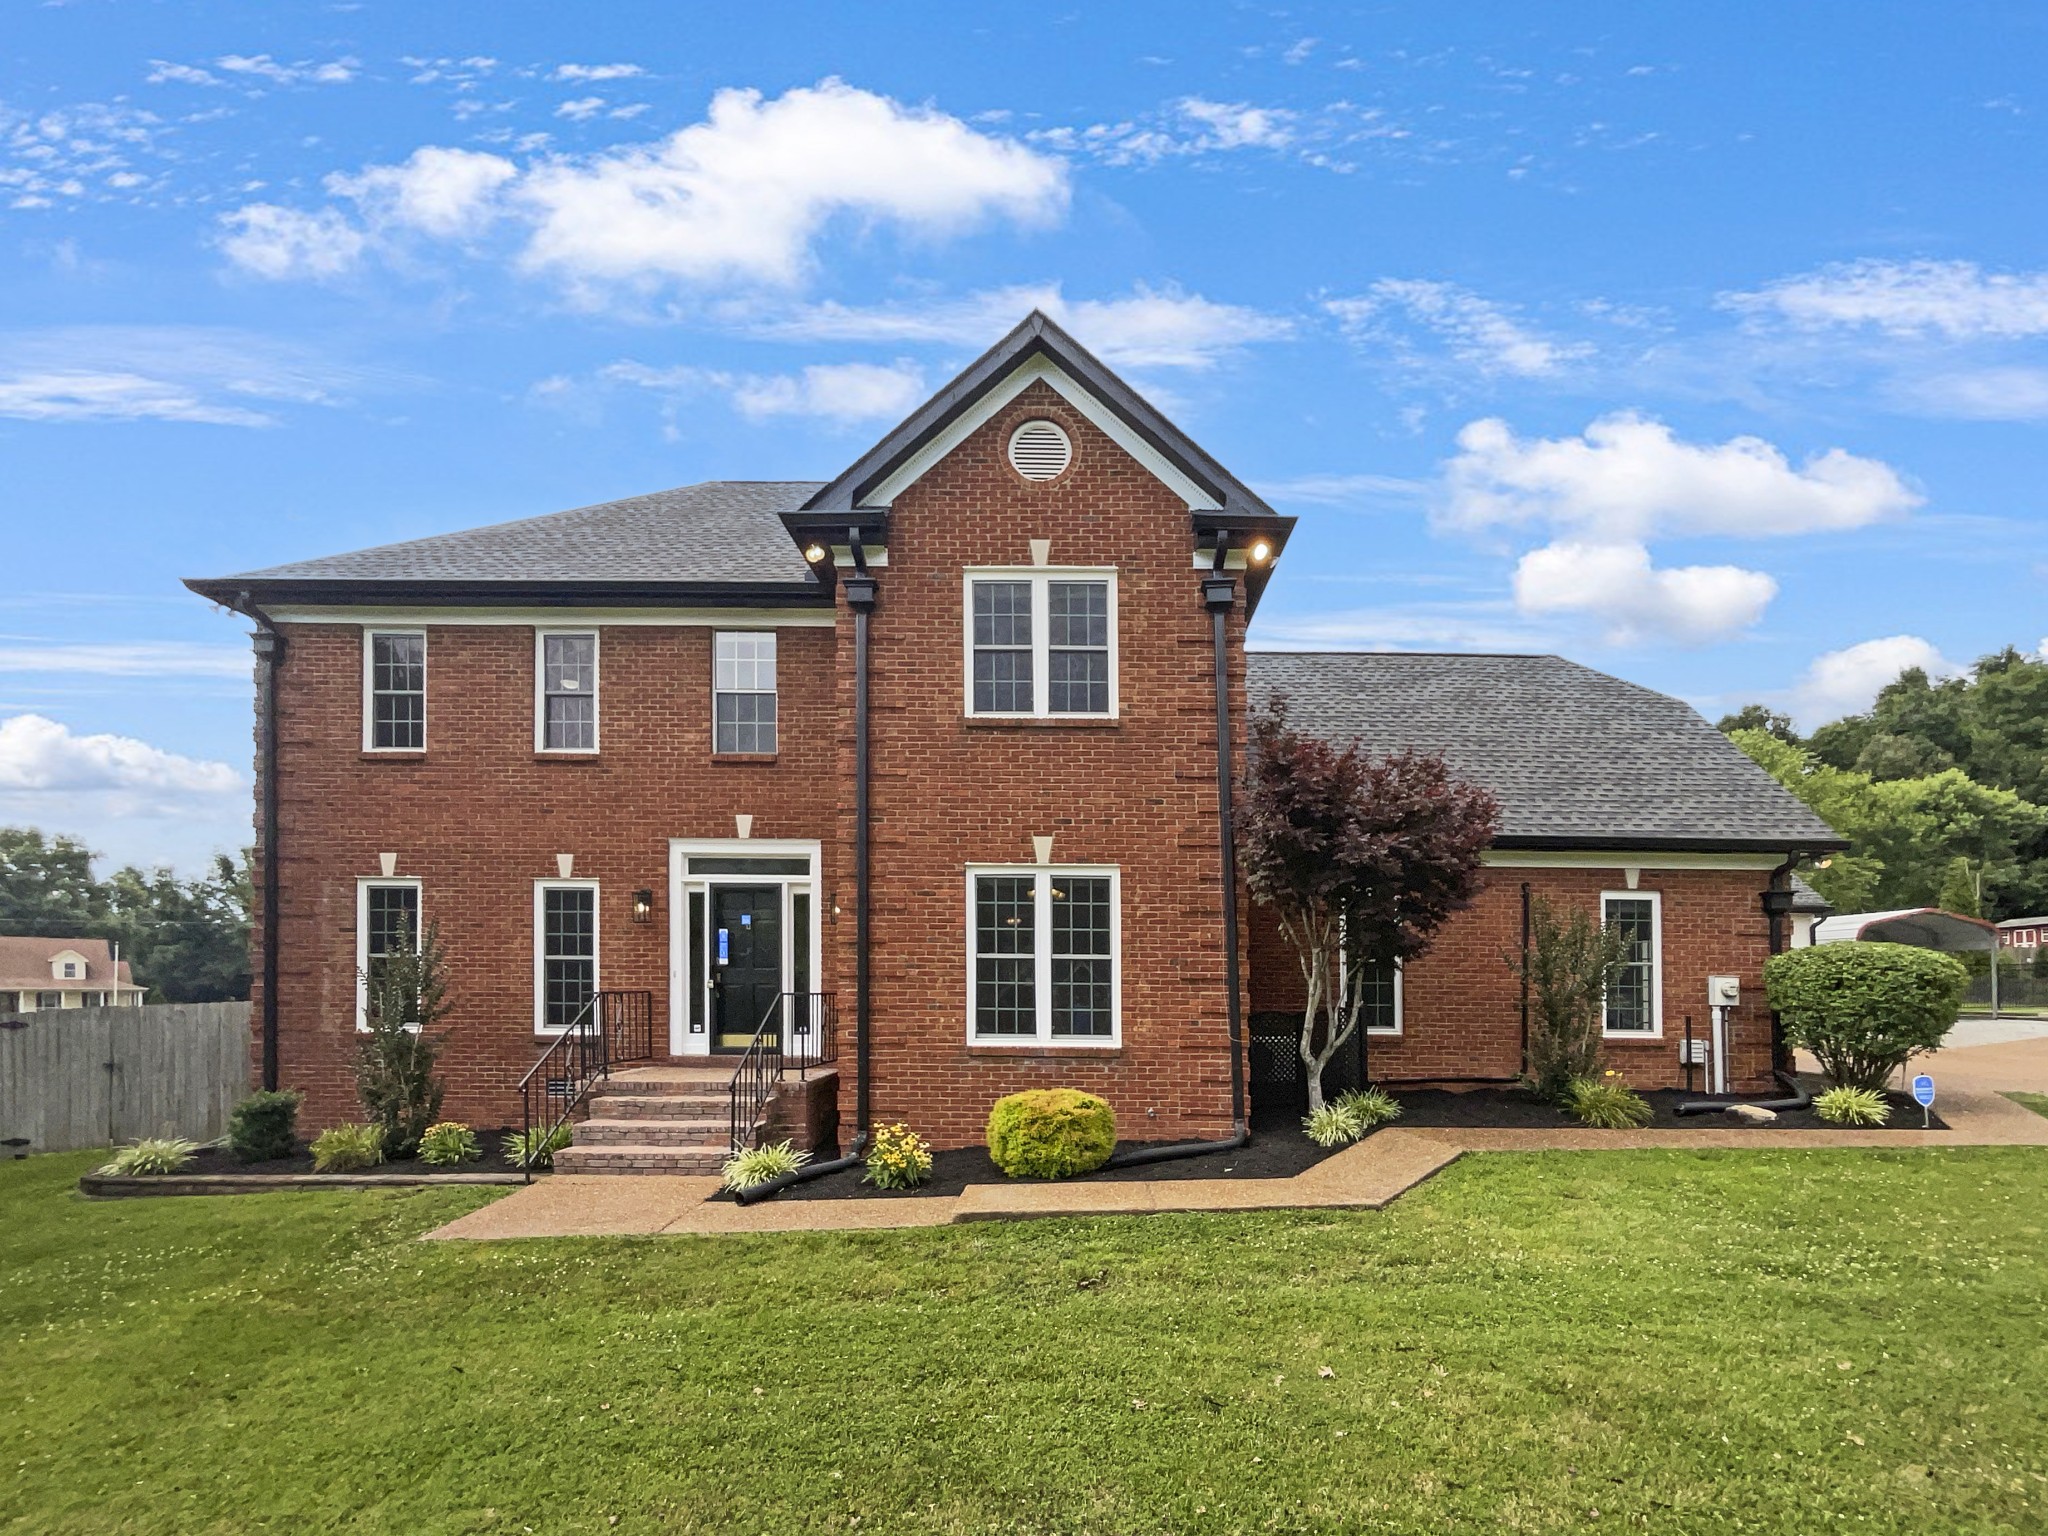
<point x="1724" y="991"/>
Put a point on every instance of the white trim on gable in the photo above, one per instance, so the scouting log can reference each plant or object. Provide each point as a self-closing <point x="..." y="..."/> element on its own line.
<point x="1043" y="368"/>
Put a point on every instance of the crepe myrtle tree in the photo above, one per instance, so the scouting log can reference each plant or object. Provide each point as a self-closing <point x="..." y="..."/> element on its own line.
<point x="1354" y="853"/>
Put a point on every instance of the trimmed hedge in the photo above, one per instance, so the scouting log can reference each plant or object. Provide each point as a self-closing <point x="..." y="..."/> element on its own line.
<point x="1864" y="1008"/>
<point x="1051" y="1133"/>
<point x="264" y="1126"/>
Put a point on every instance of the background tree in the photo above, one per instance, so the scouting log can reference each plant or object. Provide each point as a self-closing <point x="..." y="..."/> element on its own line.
<point x="1353" y="853"/>
<point x="47" y="890"/>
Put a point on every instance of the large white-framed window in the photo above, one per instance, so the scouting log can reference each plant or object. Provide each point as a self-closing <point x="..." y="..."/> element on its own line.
<point x="1040" y="642"/>
<point x="387" y="920"/>
<point x="743" y="692"/>
<point x="1044" y="955"/>
<point x="565" y="975"/>
<point x="565" y="690"/>
<point x="1634" y="1005"/>
<point x="394" y="690"/>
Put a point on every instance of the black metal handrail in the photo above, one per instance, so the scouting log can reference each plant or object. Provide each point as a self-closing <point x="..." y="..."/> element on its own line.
<point x="612" y="1028"/>
<point x="799" y="1033"/>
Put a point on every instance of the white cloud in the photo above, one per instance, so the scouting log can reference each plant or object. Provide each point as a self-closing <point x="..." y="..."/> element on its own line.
<point x="275" y="242"/>
<point x="1237" y="124"/>
<point x="1477" y="330"/>
<point x="837" y="392"/>
<point x="1956" y="300"/>
<point x="596" y="72"/>
<point x="305" y="72"/>
<point x="77" y="395"/>
<point x="1192" y="125"/>
<point x="1636" y="602"/>
<point x="1628" y="478"/>
<point x="39" y="755"/>
<point x="446" y="193"/>
<point x="162" y="71"/>
<point x="1982" y="394"/>
<point x="742" y="197"/>
<point x="1846" y="682"/>
<point x="142" y="658"/>
<point x="1150" y="328"/>
<point x="581" y="109"/>
<point x="1446" y="626"/>
<point x="1341" y="490"/>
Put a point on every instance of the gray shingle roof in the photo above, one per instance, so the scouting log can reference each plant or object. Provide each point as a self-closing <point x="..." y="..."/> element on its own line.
<point x="1573" y="755"/>
<point x="719" y="531"/>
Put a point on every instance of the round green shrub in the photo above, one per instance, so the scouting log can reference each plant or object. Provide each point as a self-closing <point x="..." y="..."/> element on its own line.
<point x="1051" y="1133"/>
<point x="264" y="1127"/>
<point x="1864" y="1008"/>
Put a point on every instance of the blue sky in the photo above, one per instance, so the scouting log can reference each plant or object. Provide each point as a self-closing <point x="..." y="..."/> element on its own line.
<point x="1707" y="345"/>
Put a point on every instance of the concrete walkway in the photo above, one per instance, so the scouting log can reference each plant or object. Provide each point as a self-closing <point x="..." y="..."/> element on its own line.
<point x="1365" y="1177"/>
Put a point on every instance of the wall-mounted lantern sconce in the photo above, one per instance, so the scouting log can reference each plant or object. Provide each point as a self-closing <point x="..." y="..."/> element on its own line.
<point x="643" y="906"/>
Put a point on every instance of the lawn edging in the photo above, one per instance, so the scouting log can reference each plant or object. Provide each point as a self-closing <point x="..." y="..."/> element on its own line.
<point x="103" y="1186"/>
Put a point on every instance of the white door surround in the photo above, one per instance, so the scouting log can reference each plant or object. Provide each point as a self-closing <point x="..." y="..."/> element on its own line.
<point x="697" y="864"/>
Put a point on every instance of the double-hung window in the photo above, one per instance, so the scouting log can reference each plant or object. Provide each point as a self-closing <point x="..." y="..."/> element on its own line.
<point x="564" y="951"/>
<point x="1635" y="997"/>
<point x="387" y="922"/>
<point x="1045" y="951"/>
<point x="566" y="717"/>
<point x="743" y="693"/>
<point x="1041" y="642"/>
<point x="395" y="690"/>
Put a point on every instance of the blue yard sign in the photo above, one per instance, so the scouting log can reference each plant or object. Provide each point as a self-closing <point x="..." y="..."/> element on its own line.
<point x="1923" y="1095"/>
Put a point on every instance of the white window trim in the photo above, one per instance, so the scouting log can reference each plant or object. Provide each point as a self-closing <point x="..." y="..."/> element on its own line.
<point x="540" y="692"/>
<point x="1400" y="1005"/>
<point x="1656" y="1029"/>
<point x="1040" y="577"/>
<point x="363" y="887"/>
<point x="1044" y="1038"/>
<point x="775" y="692"/>
<point x="370" y="635"/>
<point x="540" y="1004"/>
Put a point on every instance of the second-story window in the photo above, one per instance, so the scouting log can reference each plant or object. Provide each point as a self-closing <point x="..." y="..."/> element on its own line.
<point x="743" y="693"/>
<point x="397" y="687"/>
<point x="568" y="693"/>
<point x="1041" y="643"/>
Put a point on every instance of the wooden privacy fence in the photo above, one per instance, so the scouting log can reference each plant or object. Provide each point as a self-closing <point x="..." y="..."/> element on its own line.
<point x="86" y="1077"/>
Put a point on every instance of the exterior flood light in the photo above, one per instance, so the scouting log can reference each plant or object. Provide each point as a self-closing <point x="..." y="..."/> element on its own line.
<point x="1261" y="552"/>
<point x="643" y="906"/>
<point x="814" y="553"/>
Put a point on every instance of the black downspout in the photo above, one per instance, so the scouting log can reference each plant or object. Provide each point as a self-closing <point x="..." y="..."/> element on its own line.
<point x="1525" y="977"/>
<point x="1777" y="906"/>
<point x="269" y="647"/>
<point x="860" y="597"/>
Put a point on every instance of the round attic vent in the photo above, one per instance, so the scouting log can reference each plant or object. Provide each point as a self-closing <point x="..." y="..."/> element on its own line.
<point x="1039" y="450"/>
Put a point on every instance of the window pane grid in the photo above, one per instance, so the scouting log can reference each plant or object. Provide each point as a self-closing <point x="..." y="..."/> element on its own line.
<point x="743" y="702"/>
<point x="1044" y="956"/>
<point x="1082" y="980"/>
<point x="568" y="953"/>
<point x="398" y="691"/>
<point x="568" y="693"/>
<point x="1631" y="999"/>
<point x="1005" y="946"/>
<point x="1002" y="648"/>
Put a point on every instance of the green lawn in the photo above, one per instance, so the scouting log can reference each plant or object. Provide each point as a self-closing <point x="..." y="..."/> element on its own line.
<point x="1771" y="1341"/>
<point x="2037" y="1102"/>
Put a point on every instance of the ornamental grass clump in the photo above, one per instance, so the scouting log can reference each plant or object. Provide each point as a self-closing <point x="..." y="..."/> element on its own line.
<point x="1333" y="1125"/>
<point x="899" y="1158"/>
<point x="537" y="1148"/>
<point x="1050" y="1133"/>
<point x="348" y="1149"/>
<point x="1606" y="1103"/>
<point x="757" y="1165"/>
<point x="151" y="1155"/>
<point x="1864" y="1009"/>
<point x="449" y="1145"/>
<point x="1852" y="1106"/>
<point x="264" y="1127"/>
<point x="1373" y="1106"/>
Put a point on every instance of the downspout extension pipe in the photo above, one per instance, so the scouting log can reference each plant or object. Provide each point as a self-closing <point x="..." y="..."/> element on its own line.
<point x="269" y="646"/>
<point x="775" y="1186"/>
<point x="1800" y="1099"/>
<point x="1219" y="593"/>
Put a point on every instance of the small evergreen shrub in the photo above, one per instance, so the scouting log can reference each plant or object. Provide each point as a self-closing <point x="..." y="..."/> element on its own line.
<point x="449" y="1145"/>
<point x="348" y="1149"/>
<point x="264" y="1127"/>
<point x="1852" y="1106"/>
<point x="899" y="1158"/>
<point x="1334" y="1125"/>
<point x="1373" y="1106"/>
<point x="757" y="1165"/>
<point x="1050" y="1133"/>
<point x="152" y="1154"/>
<point x="1606" y="1103"/>
<point x="537" y="1148"/>
<point x="1863" y="1009"/>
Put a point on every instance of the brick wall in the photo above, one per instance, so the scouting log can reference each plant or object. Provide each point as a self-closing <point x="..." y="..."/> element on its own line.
<point x="1138" y="793"/>
<point x="1461" y="1002"/>
<point x="478" y="817"/>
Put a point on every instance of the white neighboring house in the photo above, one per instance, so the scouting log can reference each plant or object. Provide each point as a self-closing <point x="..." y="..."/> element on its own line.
<point x="63" y="973"/>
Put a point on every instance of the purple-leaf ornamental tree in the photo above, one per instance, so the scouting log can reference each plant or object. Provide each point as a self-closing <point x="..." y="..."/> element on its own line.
<point x="1357" y="853"/>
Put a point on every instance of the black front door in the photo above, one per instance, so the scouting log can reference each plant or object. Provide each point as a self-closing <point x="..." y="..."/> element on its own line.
<point x="746" y="960"/>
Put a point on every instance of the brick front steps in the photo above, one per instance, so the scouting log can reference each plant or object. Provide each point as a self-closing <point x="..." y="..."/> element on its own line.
<point x="669" y="1119"/>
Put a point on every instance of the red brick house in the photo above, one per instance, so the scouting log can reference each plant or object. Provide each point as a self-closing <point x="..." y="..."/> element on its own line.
<point x="933" y="748"/>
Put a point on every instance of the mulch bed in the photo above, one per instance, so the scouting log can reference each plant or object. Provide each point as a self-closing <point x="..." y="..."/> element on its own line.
<point x="1514" y="1108"/>
<point x="212" y="1160"/>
